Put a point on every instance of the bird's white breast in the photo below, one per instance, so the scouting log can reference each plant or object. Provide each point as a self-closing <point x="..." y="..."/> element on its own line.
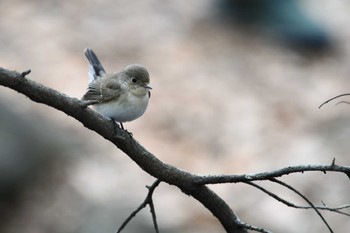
<point x="127" y="107"/>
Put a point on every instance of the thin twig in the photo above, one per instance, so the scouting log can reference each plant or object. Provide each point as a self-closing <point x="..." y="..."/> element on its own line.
<point x="220" y="179"/>
<point x="148" y="201"/>
<point x="343" y="102"/>
<point x="25" y="73"/>
<point x="335" y="97"/>
<point x="274" y="196"/>
<point x="289" y="204"/>
<point x="333" y="209"/>
<point x="252" y="228"/>
<point x="305" y="198"/>
<point x="154" y="217"/>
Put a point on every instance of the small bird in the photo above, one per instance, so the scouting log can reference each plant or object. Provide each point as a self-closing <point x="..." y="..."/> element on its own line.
<point x="121" y="96"/>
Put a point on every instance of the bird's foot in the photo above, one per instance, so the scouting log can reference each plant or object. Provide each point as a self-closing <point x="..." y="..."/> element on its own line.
<point x="115" y="125"/>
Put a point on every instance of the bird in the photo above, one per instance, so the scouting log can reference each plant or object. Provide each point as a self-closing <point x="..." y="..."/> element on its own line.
<point x="119" y="96"/>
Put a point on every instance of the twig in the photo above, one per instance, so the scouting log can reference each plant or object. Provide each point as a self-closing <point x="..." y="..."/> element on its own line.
<point x="333" y="209"/>
<point x="343" y="102"/>
<point x="220" y="179"/>
<point x="252" y="228"/>
<point x="305" y="198"/>
<point x="276" y="197"/>
<point x="25" y="73"/>
<point x="148" y="201"/>
<point x="335" y="97"/>
<point x="333" y="162"/>
<point x="154" y="217"/>
<point x="289" y="204"/>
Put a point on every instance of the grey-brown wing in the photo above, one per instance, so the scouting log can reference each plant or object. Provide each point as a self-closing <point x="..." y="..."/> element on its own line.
<point x="103" y="89"/>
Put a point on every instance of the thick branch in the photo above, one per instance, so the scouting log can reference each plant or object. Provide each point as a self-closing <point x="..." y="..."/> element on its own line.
<point x="146" y="160"/>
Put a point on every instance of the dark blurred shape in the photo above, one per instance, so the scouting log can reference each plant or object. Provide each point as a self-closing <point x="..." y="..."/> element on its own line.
<point x="34" y="157"/>
<point x="285" y="19"/>
<point x="27" y="152"/>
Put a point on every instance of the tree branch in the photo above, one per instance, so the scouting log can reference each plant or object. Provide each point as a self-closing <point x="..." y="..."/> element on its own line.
<point x="190" y="184"/>
<point x="220" y="179"/>
<point x="122" y="139"/>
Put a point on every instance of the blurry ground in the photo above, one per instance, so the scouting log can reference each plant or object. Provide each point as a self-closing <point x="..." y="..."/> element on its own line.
<point x="223" y="101"/>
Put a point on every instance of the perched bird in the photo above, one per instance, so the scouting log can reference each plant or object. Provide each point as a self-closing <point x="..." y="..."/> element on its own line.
<point x="121" y="96"/>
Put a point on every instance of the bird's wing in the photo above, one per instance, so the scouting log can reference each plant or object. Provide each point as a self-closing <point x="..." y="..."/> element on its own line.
<point x="103" y="89"/>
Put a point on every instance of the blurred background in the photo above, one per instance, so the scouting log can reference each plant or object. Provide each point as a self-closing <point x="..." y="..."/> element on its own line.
<point x="236" y="89"/>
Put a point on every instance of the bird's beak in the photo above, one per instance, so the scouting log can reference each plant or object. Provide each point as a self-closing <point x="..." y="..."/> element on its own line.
<point x="148" y="87"/>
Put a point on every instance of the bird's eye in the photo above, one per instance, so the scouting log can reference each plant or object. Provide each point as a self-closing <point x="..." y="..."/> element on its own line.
<point x="133" y="80"/>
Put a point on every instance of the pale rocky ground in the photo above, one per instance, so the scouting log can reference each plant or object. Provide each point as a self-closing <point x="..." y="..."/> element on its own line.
<point x="224" y="101"/>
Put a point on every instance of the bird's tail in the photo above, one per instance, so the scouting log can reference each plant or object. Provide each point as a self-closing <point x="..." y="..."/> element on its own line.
<point x="95" y="68"/>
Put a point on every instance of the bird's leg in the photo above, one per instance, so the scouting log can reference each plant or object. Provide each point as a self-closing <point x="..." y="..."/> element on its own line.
<point x="115" y="125"/>
<point x="121" y="125"/>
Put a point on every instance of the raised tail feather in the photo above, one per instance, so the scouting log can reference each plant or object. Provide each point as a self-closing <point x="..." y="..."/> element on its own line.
<point x="95" y="68"/>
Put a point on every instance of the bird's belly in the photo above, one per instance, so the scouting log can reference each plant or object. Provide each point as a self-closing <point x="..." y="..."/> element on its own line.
<point x="123" y="110"/>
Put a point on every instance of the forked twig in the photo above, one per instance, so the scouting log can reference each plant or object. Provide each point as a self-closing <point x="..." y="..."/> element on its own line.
<point x="148" y="201"/>
<point x="289" y="204"/>
<point x="305" y="198"/>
